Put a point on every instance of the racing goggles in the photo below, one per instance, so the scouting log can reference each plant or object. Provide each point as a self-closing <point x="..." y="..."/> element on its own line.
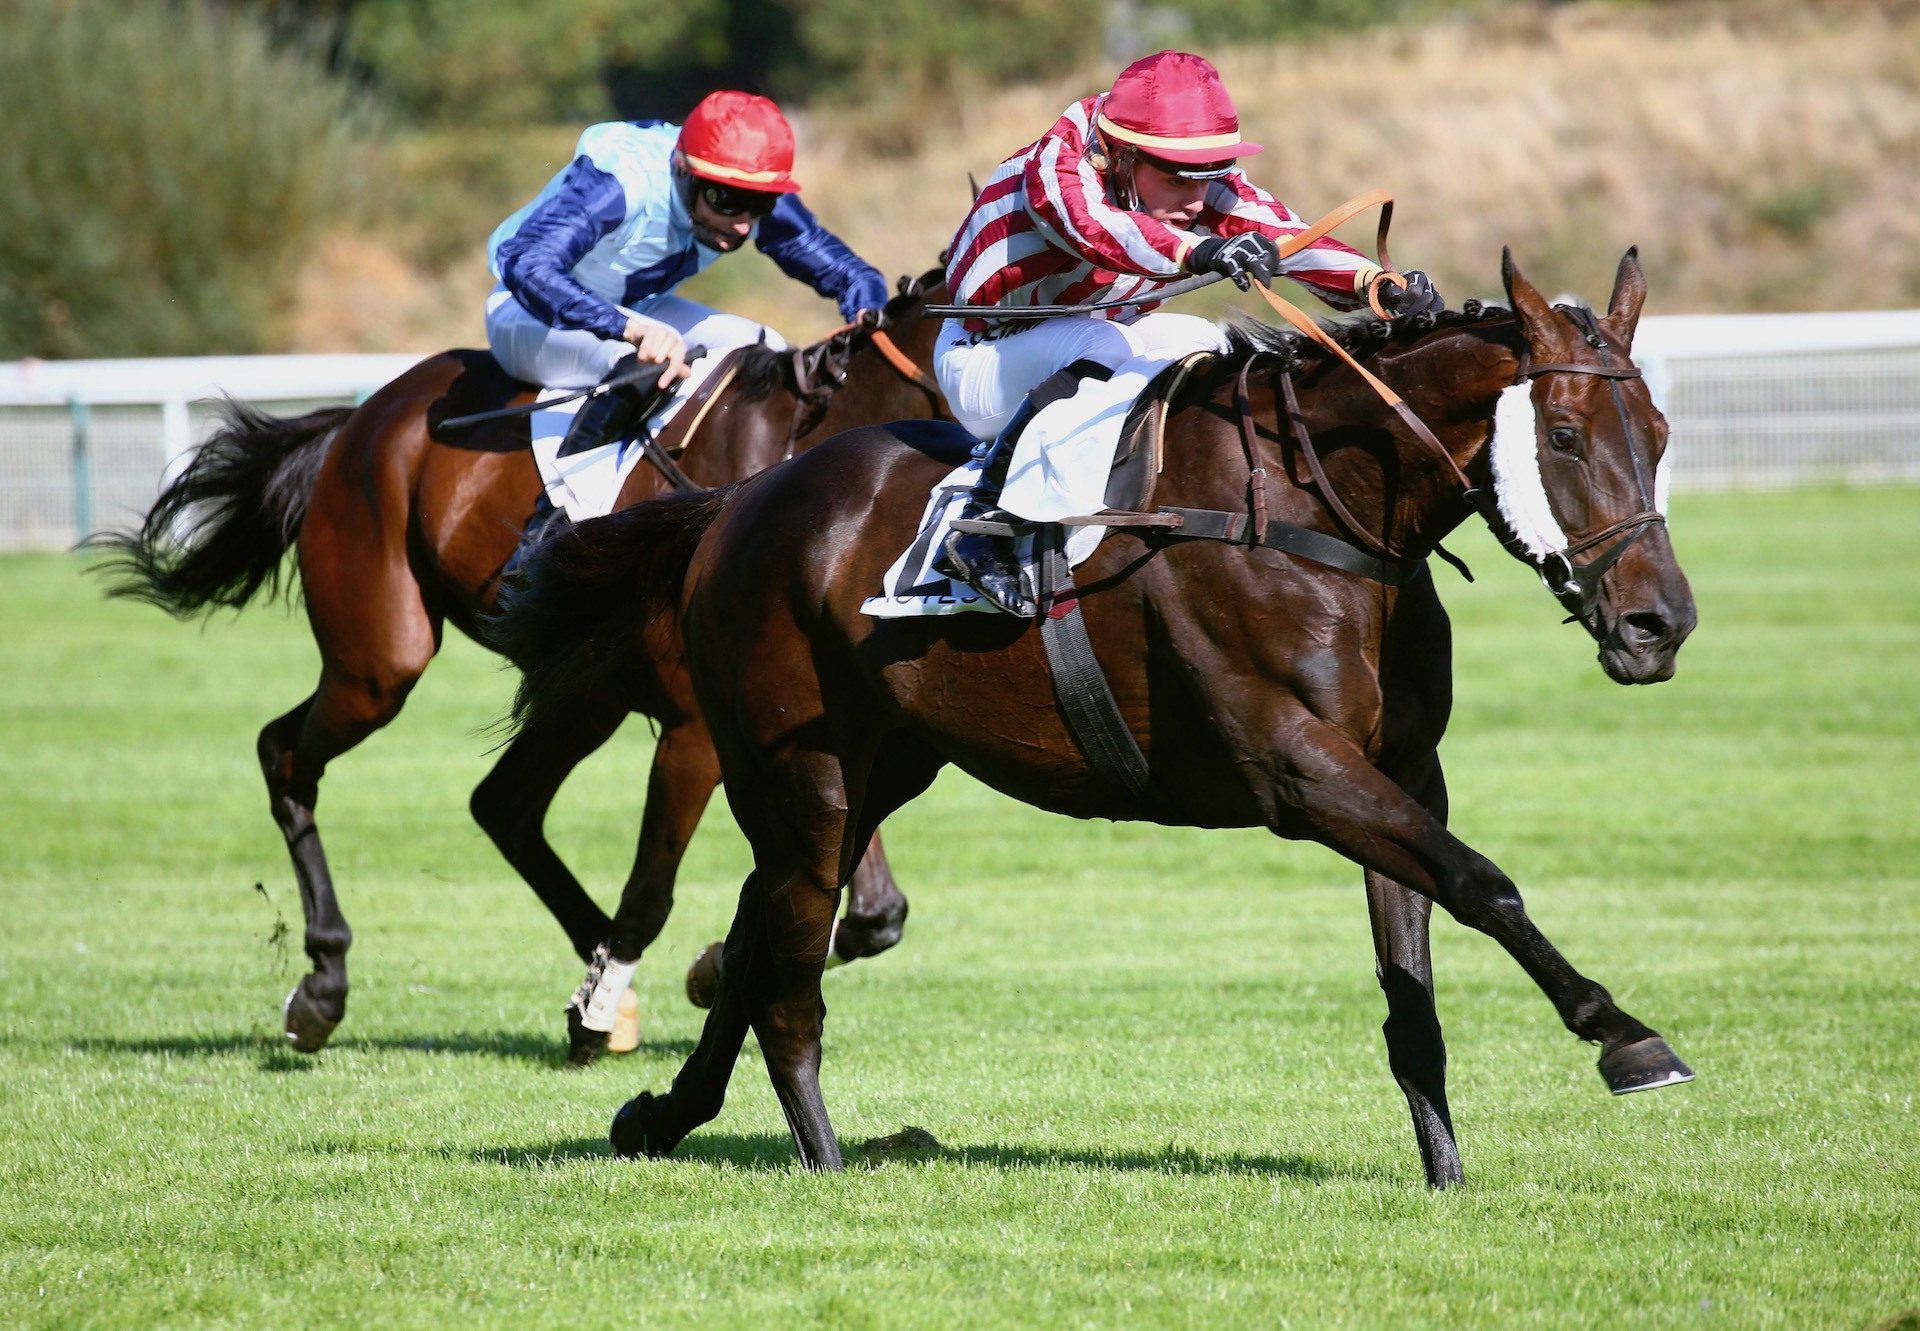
<point x="1184" y="170"/>
<point x="732" y="201"/>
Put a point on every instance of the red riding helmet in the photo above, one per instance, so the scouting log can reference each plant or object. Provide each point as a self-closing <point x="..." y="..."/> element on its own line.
<point x="1173" y="106"/>
<point x="736" y="138"/>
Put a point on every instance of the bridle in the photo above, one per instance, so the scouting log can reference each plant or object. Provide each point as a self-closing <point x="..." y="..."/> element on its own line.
<point x="1577" y="586"/>
<point x="820" y="370"/>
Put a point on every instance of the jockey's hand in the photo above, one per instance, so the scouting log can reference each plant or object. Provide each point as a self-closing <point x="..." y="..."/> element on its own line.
<point x="1242" y="258"/>
<point x="654" y="342"/>
<point x="1419" y="296"/>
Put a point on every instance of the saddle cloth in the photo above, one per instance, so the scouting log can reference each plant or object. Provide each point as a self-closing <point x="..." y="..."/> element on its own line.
<point x="1061" y="467"/>
<point x="586" y="484"/>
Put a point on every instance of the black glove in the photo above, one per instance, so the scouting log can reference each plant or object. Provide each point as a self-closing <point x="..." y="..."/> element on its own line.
<point x="1417" y="298"/>
<point x="1242" y="257"/>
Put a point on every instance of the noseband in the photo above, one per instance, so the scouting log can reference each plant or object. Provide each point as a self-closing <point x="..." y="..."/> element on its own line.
<point x="1577" y="586"/>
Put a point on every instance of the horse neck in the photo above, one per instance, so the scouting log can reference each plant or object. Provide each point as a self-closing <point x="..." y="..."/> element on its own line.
<point x="875" y="390"/>
<point x="741" y="437"/>
<point x="1389" y="480"/>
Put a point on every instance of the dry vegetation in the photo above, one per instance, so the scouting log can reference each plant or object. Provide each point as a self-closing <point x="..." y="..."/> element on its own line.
<point x="1764" y="156"/>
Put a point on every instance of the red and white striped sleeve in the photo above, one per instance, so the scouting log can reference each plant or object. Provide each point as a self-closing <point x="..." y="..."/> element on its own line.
<point x="1067" y="197"/>
<point x="1337" y="272"/>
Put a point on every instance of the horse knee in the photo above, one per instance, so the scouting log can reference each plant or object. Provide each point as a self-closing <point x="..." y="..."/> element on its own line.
<point x="1483" y="898"/>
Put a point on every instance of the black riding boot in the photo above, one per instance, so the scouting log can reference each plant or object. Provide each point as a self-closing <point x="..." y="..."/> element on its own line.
<point x="991" y="564"/>
<point x="603" y="417"/>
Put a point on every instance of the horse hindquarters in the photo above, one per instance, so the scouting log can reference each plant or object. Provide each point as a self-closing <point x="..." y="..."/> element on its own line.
<point x="376" y="637"/>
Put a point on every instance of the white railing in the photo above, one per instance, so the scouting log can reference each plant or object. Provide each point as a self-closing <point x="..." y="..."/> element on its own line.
<point x="1755" y="402"/>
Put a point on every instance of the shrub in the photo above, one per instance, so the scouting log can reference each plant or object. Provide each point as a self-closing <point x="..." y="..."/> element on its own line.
<point x="163" y="170"/>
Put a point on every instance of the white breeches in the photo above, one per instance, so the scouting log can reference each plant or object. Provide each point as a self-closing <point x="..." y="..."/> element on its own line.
<point x="575" y="358"/>
<point x="985" y="378"/>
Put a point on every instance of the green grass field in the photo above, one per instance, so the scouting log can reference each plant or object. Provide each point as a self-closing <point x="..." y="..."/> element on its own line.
<point x="1152" y="1057"/>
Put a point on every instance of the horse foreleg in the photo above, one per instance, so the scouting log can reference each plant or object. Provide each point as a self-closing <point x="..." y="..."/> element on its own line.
<point x="1416" y="1049"/>
<point x="1350" y="806"/>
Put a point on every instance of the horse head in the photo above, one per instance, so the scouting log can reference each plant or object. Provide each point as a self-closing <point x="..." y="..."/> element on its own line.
<point x="1580" y="487"/>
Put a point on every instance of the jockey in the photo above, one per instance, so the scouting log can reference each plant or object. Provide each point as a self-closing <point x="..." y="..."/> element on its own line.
<point x="1128" y="193"/>
<point x="586" y="270"/>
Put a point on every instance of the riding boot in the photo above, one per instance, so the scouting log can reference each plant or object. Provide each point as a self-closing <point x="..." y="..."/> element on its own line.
<point x="991" y="564"/>
<point x="606" y="416"/>
<point x="545" y="522"/>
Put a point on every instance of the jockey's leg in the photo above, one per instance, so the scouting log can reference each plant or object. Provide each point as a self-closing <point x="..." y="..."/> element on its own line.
<point x="995" y="385"/>
<point x="991" y="564"/>
<point x="564" y="358"/>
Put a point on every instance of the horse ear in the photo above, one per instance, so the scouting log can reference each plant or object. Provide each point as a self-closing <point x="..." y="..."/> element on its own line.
<point x="1629" y="294"/>
<point x="1535" y="314"/>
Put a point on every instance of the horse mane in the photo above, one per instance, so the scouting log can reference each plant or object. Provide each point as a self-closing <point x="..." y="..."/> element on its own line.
<point x="911" y="291"/>
<point x="1358" y="335"/>
<point x="763" y="369"/>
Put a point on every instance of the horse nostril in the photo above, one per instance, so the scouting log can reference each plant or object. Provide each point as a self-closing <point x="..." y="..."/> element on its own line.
<point x="1642" y="629"/>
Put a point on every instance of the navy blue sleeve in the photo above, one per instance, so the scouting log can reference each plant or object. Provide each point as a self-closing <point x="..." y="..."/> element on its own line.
<point x="793" y="238"/>
<point x="536" y="262"/>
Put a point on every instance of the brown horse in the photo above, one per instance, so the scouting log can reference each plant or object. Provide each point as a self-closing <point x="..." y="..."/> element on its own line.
<point x="403" y="526"/>
<point x="1302" y="692"/>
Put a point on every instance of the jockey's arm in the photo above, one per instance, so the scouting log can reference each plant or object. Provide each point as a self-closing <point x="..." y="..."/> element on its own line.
<point x="793" y="238"/>
<point x="1338" y="273"/>
<point x="1068" y="199"/>
<point x="536" y="262"/>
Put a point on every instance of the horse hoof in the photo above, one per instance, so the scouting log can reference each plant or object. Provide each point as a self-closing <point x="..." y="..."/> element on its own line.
<point x="306" y="1025"/>
<point x="703" y="977"/>
<point x="583" y="1045"/>
<point x="1643" y="1066"/>
<point x="624" y="1038"/>
<point x="636" y="1130"/>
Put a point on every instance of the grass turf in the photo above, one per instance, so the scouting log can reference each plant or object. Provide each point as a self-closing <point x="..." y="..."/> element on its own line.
<point x="1152" y="1057"/>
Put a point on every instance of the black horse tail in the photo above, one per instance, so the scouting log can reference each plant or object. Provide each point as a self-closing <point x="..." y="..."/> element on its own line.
<point x="219" y="531"/>
<point x="587" y="592"/>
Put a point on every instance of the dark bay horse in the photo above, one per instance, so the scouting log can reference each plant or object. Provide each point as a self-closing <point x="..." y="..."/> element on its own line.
<point x="402" y="527"/>
<point x="1264" y="688"/>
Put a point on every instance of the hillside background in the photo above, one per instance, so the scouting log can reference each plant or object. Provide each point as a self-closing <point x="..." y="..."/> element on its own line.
<point x="321" y="175"/>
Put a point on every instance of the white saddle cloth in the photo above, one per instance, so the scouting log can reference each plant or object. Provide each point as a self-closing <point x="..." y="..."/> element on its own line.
<point x="587" y="483"/>
<point x="1059" y="470"/>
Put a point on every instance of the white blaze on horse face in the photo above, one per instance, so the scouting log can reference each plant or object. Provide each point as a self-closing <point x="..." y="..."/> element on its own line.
<point x="1517" y="483"/>
<point x="1662" y="482"/>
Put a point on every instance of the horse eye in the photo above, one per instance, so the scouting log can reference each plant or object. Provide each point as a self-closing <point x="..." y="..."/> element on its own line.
<point x="1563" y="439"/>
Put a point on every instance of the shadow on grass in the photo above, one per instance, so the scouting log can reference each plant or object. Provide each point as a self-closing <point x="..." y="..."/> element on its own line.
<point x="766" y="1152"/>
<point x="276" y="1056"/>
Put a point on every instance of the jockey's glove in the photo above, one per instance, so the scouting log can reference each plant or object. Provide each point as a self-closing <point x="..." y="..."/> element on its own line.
<point x="1418" y="297"/>
<point x="1242" y="258"/>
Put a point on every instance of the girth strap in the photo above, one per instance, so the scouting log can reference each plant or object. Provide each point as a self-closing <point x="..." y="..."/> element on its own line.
<point x="1210" y="524"/>
<point x="1086" y="702"/>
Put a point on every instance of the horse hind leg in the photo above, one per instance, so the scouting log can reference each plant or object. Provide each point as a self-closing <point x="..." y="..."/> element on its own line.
<point x="679" y="784"/>
<point x="876" y="908"/>
<point x="654" y="1125"/>
<point x="876" y="914"/>
<point x="294" y="751"/>
<point x="875" y="920"/>
<point x="771" y="965"/>
<point x="511" y="802"/>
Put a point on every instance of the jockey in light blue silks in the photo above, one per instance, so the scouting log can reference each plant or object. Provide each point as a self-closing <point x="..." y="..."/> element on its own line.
<point x="587" y="269"/>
